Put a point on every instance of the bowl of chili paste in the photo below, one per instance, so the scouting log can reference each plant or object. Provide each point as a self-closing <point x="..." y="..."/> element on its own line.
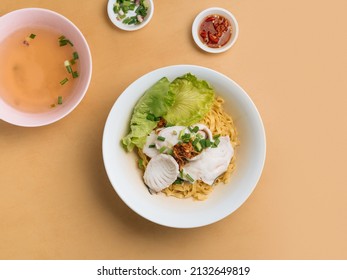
<point x="215" y="30"/>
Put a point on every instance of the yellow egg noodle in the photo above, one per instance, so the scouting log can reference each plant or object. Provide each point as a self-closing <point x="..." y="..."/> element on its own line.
<point x="221" y="123"/>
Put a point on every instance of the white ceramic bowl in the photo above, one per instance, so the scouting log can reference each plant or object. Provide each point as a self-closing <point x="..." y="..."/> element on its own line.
<point x="126" y="178"/>
<point x="127" y="27"/>
<point x="215" y="11"/>
<point x="38" y="17"/>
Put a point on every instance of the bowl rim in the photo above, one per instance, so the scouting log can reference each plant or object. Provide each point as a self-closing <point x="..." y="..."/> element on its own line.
<point x="37" y="121"/>
<point x="126" y="27"/>
<point x="215" y="10"/>
<point x="110" y="138"/>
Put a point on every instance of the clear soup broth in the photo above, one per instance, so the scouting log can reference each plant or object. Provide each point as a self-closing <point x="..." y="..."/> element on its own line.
<point x="33" y="73"/>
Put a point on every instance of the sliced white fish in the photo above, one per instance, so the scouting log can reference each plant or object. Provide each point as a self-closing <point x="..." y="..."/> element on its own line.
<point x="211" y="163"/>
<point x="166" y="138"/>
<point x="170" y="134"/>
<point x="147" y="149"/>
<point x="162" y="170"/>
<point x="204" y="131"/>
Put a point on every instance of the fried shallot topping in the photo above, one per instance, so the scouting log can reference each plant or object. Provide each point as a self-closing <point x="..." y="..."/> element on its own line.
<point x="183" y="151"/>
<point x="161" y="123"/>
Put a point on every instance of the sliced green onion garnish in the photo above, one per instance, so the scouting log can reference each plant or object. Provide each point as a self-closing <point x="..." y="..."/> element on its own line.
<point x="75" y="55"/>
<point x="115" y="9"/>
<point x="32" y="36"/>
<point x="161" y="138"/>
<point x="195" y="129"/>
<point x="75" y="74"/>
<point x="189" y="178"/>
<point x="178" y="181"/>
<point x="199" y="136"/>
<point x="203" y="143"/>
<point x="162" y="149"/>
<point x="198" y="147"/>
<point x="151" y="146"/>
<point x="150" y="117"/>
<point x="181" y="134"/>
<point x="60" y="100"/>
<point x="63" y="41"/>
<point x="196" y="141"/>
<point x="216" y="136"/>
<point x="186" y="137"/>
<point x="68" y="66"/>
<point x="62" y="82"/>
<point x="140" y="163"/>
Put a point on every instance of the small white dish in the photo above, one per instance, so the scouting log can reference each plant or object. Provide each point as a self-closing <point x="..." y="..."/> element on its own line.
<point x="209" y="12"/>
<point x="129" y="27"/>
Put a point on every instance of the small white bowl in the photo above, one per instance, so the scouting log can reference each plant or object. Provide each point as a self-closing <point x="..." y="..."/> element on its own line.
<point x="215" y="11"/>
<point x="127" y="27"/>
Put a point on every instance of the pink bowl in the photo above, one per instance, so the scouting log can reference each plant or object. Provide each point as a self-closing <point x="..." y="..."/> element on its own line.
<point x="41" y="17"/>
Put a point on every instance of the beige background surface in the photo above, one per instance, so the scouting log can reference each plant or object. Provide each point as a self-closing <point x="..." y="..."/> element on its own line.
<point x="56" y="201"/>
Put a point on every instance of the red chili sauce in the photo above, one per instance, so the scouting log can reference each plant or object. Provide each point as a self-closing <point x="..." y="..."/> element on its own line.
<point x="215" y="31"/>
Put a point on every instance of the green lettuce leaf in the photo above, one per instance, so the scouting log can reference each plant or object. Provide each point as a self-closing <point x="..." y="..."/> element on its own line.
<point x="185" y="101"/>
<point x="193" y="99"/>
<point x="155" y="101"/>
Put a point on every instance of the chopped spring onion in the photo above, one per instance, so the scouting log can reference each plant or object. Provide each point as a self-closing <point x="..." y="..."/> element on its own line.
<point x="189" y="178"/>
<point x="32" y="36"/>
<point x="137" y="8"/>
<point x="195" y="129"/>
<point x="63" y="41"/>
<point x="60" y="100"/>
<point x="181" y="134"/>
<point x="162" y="149"/>
<point x="196" y="141"/>
<point x="152" y="117"/>
<point x="199" y="136"/>
<point x="216" y="142"/>
<point x="198" y="147"/>
<point x="140" y="163"/>
<point x="161" y="138"/>
<point x="151" y="146"/>
<point x="75" y="74"/>
<point x="75" y="55"/>
<point x="203" y="143"/>
<point x="68" y="66"/>
<point x="178" y="181"/>
<point x="186" y="137"/>
<point x="63" y="82"/>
